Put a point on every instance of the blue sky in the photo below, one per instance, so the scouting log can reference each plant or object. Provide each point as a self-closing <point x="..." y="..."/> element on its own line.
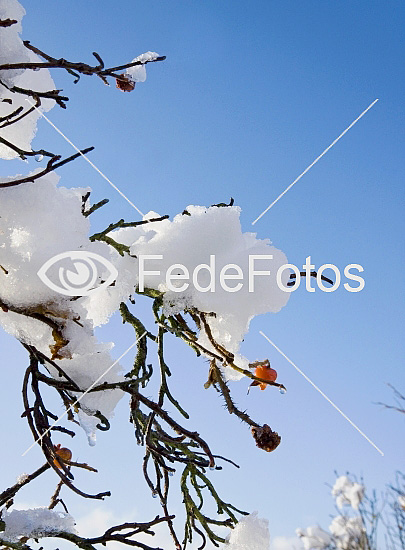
<point x="250" y="94"/>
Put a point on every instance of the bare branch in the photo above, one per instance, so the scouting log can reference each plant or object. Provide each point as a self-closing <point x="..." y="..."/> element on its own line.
<point x="50" y="167"/>
<point x="7" y="22"/>
<point x="73" y="68"/>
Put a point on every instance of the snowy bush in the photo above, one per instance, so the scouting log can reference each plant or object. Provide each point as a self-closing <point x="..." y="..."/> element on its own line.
<point x="358" y="527"/>
<point x="59" y="282"/>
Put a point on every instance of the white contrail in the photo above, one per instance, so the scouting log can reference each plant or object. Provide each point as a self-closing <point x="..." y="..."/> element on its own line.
<point x="322" y="393"/>
<point x="85" y="158"/>
<point x="315" y="161"/>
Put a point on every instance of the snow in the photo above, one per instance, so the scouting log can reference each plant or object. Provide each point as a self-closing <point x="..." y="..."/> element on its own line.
<point x="314" y="537"/>
<point x="12" y="9"/>
<point x="348" y="492"/>
<point x="345" y="533"/>
<point x="138" y="72"/>
<point x="12" y="50"/>
<point x="21" y="478"/>
<point x="346" y="530"/>
<point x="285" y="543"/>
<point x="250" y="533"/>
<point x="35" y="523"/>
<point x="192" y="240"/>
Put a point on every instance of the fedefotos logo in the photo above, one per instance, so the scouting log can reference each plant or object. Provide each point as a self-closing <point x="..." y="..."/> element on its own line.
<point x="80" y="273"/>
<point x="233" y="272"/>
<point x="77" y="273"/>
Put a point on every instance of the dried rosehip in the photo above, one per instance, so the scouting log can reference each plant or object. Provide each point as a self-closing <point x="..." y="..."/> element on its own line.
<point x="265" y="438"/>
<point x="124" y="83"/>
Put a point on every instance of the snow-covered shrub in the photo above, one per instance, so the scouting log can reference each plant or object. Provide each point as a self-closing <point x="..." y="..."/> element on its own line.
<point x="59" y="282"/>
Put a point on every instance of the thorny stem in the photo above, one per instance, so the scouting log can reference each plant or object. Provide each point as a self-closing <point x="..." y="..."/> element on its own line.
<point x="225" y="392"/>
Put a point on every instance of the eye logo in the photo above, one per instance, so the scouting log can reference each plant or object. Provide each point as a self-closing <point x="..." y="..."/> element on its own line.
<point x="77" y="273"/>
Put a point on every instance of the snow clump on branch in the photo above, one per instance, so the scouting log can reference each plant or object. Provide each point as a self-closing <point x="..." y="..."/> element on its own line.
<point x="137" y="73"/>
<point x="35" y="523"/>
<point x="348" y="492"/>
<point x="250" y="533"/>
<point x="12" y="50"/>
